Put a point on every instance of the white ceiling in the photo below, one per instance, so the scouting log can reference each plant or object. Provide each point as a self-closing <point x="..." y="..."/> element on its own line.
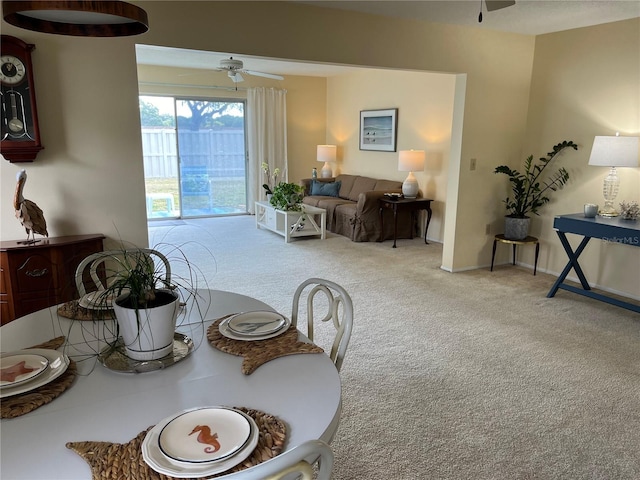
<point x="529" y="17"/>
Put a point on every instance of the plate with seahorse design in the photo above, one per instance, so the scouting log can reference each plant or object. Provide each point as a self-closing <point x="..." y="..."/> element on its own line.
<point x="204" y="435"/>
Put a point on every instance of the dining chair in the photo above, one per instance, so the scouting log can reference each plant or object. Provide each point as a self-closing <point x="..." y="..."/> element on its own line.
<point x="338" y="308"/>
<point x="298" y="463"/>
<point x="103" y="265"/>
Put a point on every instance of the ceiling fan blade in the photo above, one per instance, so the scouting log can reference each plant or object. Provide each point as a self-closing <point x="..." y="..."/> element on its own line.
<point x="262" y="74"/>
<point x="493" y="5"/>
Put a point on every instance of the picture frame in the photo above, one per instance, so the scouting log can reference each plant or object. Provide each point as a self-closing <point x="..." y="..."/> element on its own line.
<point x="378" y="130"/>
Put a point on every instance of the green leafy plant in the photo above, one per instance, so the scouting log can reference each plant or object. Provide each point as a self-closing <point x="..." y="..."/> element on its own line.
<point x="529" y="189"/>
<point x="287" y="196"/>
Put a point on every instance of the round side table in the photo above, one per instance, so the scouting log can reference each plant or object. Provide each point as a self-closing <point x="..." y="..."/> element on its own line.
<point x="525" y="241"/>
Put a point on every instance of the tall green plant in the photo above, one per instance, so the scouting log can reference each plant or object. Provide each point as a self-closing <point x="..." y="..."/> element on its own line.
<point x="529" y="189"/>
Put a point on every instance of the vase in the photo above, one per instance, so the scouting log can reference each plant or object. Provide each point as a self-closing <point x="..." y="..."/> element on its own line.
<point x="516" y="228"/>
<point x="147" y="333"/>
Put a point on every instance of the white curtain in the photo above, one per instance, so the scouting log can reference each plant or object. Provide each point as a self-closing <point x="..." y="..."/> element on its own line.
<point x="267" y="138"/>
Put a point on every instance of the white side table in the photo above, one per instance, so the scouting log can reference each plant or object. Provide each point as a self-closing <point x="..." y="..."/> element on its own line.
<point x="292" y="224"/>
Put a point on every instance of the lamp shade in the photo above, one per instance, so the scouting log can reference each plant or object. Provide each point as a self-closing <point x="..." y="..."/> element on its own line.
<point x="326" y="153"/>
<point x="609" y="151"/>
<point x="410" y="160"/>
<point x="77" y="18"/>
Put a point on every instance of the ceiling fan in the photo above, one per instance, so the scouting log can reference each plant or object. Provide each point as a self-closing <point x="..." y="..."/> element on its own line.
<point x="234" y="68"/>
<point x="493" y="5"/>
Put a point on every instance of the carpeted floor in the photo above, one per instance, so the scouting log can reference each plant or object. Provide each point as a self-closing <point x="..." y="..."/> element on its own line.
<point x="473" y="375"/>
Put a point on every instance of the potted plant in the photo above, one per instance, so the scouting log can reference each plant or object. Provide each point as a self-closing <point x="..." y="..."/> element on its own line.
<point x="144" y="298"/>
<point x="530" y="189"/>
<point x="287" y="196"/>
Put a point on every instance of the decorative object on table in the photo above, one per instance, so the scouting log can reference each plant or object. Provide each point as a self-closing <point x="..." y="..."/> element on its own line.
<point x="530" y="190"/>
<point x="378" y="130"/>
<point x="609" y="151"/>
<point x="410" y="161"/>
<point x="259" y="352"/>
<point x="138" y="284"/>
<point x="393" y="196"/>
<point x="115" y="461"/>
<point x="326" y="154"/>
<point x="27" y="212"/>
<point x="629" y="210"/>
<point x="590" y="210"/>
<point x="20" y="128"/>
<point x="287" y="196"/>
<point x="337" y="306"/>
<point x="314" y="173"/>
<point x="41" y="389"/>
<point x="271" y="178"/>
<point x="83" y="19"/>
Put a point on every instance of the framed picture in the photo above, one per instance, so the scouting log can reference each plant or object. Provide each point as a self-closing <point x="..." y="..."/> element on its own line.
<point x="378" y="130"/>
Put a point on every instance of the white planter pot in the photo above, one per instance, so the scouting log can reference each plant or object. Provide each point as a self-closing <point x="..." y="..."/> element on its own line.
<point x="147" y="333"/>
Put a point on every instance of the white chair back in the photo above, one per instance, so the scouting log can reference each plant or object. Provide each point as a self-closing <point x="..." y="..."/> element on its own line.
<point x="339" y="309"/>
<point x="102" y="265"/>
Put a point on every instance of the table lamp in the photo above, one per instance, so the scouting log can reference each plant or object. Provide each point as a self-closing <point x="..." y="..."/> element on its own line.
<point x="410" y="161"/>
<point x="326" y="154"/>
<point x="608" y="151"/>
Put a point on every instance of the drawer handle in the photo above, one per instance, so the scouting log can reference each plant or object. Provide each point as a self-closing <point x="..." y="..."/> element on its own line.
<point x="37" y="273"/>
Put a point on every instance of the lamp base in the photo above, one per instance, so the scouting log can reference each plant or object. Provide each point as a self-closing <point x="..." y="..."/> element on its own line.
<point x="608" y="210"/>
<point x="410" y="186"/>
<point x="326" y="171"/>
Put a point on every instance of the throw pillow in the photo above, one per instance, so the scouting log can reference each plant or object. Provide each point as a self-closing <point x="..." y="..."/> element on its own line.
<point x="327" y="189"/>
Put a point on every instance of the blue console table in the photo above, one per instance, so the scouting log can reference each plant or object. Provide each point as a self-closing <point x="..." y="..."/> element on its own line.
<point x="608" y="229"/>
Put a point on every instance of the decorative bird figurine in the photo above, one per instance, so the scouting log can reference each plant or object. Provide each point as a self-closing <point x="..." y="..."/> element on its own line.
<point x="29" y="214"/>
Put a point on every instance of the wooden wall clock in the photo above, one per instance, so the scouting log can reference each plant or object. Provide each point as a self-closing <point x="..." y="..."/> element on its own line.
<point x="20" y="130"/>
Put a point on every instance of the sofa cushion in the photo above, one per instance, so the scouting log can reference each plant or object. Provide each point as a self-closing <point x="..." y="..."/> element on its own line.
<point x="347" y="184"/>
<point x="327" y="189"/>
<point x="388" y="186"/>
<point x="361" y="185"/>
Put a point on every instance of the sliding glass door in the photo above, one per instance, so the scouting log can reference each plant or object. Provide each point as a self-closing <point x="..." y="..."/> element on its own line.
<point x="194" y="157"/>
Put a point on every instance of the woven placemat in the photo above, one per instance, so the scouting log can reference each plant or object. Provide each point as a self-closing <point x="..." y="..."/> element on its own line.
<point x="259" y="352"/>
<point x="74" y="311"/>
<point x="18" y="405"/>
<point x="116" y="461"/>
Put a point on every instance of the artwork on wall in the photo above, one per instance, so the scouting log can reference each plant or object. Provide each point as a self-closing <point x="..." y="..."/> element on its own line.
<point x="378" y="130"/>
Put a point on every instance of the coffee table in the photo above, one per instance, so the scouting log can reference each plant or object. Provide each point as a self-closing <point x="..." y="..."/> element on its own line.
<point x="311" y="221"/>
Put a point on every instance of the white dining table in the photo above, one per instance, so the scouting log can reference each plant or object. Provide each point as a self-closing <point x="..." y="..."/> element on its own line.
<point x="103" y="405"/>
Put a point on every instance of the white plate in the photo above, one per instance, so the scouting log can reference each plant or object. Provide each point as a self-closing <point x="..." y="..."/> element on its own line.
<point x="227" y="332"/>
<point x="154" y="457"/>
<point x="58" y="364"/>
<point x="95" y="301"/>
<point x="204" y="435"/>
<point x="19" y="368"/>
<point x="256" y="324"/>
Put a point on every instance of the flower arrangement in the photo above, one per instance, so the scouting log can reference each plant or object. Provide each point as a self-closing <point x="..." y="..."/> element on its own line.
<point x="272" y="179"/>
<point x="629" y="210"/>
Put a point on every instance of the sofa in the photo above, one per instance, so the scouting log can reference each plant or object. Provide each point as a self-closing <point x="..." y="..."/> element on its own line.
<point x="351" y="202"/>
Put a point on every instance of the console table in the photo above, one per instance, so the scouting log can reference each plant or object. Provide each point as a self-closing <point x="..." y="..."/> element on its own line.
<point x="412" y="205"/>
<point x="608" y="229"/>
<point x="292" y="224"/>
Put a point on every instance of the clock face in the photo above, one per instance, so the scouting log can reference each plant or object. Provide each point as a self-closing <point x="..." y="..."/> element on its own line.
<point x="12" y="70"/>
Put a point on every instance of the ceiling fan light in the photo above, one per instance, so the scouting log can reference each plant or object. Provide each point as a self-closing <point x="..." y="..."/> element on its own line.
<point x="77" y="18"/>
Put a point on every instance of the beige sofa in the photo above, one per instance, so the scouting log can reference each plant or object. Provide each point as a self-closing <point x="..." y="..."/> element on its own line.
<point x="355" y="212"/>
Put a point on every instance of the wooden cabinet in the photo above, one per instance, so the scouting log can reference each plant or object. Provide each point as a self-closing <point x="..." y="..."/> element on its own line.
<point x="33" y="277"/>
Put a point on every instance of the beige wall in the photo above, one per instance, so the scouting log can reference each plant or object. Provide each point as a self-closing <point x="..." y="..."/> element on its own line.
<point x="586" y="82"/>
<point x="425" y="111"/>
<point x="89" y="178"/>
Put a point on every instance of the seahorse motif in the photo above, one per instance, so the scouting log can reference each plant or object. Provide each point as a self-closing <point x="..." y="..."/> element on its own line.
<point x="206" y="437"/>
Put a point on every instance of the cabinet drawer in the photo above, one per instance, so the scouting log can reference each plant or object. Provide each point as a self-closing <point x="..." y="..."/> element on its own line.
<point x="36" y="273"/>
<point x="271" y="218"/>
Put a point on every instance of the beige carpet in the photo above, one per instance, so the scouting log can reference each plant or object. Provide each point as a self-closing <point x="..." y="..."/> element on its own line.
<point x="472" y="375"/>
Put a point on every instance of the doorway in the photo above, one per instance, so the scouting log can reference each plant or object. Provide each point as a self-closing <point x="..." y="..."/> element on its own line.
<point x="194" y="153"/>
